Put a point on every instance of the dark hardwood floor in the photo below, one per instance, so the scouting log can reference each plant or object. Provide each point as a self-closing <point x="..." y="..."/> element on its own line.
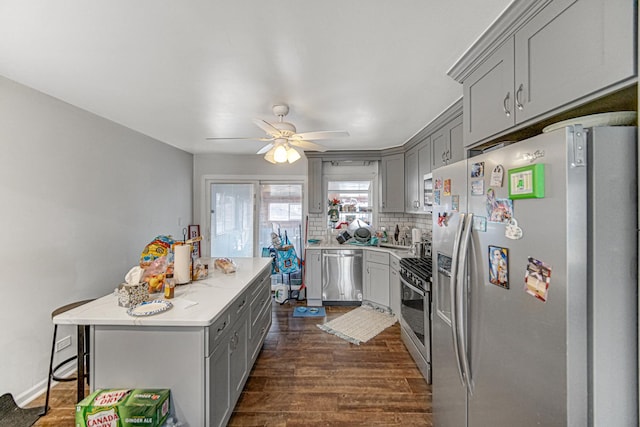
<point x="306" y="377"/>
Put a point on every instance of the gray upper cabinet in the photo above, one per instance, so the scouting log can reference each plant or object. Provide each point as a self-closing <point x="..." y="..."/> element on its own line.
<point x="545" y="56"/>
<point x="316" y="199"/>
<point x="392" y="183"/>
<point x="417" y="164"/>
<point x="571" y="49"/>
<point x="447" y="143"/>
<point x="485" y="91"/>
<point x="411" y="180"/>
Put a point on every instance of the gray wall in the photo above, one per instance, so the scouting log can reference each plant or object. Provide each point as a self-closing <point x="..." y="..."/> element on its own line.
<point x="80" y="197"/>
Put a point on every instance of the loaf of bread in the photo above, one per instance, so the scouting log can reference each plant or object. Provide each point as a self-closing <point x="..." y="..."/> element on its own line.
<point x="226" y="265"/>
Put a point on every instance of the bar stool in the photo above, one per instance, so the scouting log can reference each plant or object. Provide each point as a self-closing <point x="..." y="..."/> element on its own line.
<point x="82" y="339"/>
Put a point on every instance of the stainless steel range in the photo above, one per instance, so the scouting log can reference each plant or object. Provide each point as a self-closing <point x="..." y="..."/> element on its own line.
<point x="415" y="281"/>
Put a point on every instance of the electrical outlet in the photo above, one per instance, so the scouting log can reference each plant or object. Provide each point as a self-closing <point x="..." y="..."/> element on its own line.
<point x="63" y="343"/>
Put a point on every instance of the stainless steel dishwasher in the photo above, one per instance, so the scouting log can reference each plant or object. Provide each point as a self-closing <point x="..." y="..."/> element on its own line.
<point x="342" y="276"/>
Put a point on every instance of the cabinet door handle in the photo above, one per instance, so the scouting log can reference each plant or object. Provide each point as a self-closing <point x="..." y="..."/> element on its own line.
<point x="507" y="112"/>
<point x="221" y="328"/>
<point x="444" y="160"/>
<point x="518" y="93"/>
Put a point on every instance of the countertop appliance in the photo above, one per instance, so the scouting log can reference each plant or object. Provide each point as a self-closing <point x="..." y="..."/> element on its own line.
<point x="415" y="309"/>
<point x="564" y="353"/>
<point x="342" y="276"/>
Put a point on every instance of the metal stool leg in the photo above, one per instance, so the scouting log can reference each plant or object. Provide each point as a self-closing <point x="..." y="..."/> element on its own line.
<point x="53" y="349"/>
<point x="81" y="357"/>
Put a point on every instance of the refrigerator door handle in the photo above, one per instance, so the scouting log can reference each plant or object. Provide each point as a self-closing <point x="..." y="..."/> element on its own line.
<point x="461" y="292"/>
<point x="452" y="280"/>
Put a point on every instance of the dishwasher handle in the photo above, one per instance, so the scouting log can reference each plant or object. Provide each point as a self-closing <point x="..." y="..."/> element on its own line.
<point x="342" y="255"/>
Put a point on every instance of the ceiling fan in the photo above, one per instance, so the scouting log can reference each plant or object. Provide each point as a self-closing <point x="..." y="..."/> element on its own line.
<point x="284" y="142"/>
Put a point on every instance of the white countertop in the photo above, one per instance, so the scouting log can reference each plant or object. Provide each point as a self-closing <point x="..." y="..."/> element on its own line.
<point x="195" y="304"/>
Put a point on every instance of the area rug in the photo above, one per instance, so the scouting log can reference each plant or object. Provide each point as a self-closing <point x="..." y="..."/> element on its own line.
<point x="301" y="311"/>
<point x="359" y="325"/>
<point x="13" y="416"/>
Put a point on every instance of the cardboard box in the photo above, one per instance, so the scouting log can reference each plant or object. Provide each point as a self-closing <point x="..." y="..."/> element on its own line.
<point x="124" y="408"/>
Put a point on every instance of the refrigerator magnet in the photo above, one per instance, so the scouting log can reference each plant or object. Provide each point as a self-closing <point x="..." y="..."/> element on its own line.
<point x="537" y="279"/>
<point x="498" y="210"/>
<point x="477" y="187"/>
<point x="438" y="185"/>
<point x="499" y="266"/>
<point x="477" y="170"/>
<point x="447" y="187"/>
<point x="436" y="197"/>
<point x="527" y="182"/>
<point x="496" y="176"/>
<point x="455" y="203"/>
<point x="479" y="223"/>
<point x="512" y="231"/>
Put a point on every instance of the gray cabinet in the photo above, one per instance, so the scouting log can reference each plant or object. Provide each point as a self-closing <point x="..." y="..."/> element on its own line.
<point x="316" y="197"/>
<point x="554" y="56"/>
<point x="219" y="389"/>
<point x="376" y="278"/>
<point x="239" y="356"/>
<point x="417" y="164"/>
<point x="313" y="277"/>
<point x="488" y="96"/>
<point x="571" y="49"/>
<point x="392" y="183"/>
<point x="394" y="285"/>
<point x="411" y="180"/>
<point x="447" y="143"/>
<point x="234" y="341"/>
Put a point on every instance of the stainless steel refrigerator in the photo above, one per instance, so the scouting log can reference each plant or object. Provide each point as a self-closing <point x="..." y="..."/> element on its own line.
<point x="538" y="328"/>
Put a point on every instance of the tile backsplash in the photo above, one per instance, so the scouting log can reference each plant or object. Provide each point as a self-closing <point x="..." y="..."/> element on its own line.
<point x="318" y="223"/>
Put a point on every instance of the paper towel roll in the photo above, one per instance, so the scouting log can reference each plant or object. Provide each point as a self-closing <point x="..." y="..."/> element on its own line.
<point x="181" y="261"/>
<point x="416" y="235"/>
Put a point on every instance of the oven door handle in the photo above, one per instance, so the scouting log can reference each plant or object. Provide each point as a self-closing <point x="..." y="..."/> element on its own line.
<point x="453" y="300"/>
<point x="413" y="288"/>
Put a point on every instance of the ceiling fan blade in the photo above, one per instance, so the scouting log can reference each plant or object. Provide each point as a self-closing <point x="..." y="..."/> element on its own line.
<point x="306" y="145"/>
<point x="265" y="149"/>
<point x="240" y="138"/>
<point x="267" y="127"/>
<point x="324" y="134"/>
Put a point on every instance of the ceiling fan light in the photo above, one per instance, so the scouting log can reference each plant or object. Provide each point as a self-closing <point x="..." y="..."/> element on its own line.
<point x="280" y="154"/>
<point x="269" y="157"/>
<point x="292" y="155"/>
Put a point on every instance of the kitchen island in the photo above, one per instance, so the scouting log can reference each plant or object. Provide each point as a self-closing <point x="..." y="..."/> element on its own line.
<point x="202" y="348"/>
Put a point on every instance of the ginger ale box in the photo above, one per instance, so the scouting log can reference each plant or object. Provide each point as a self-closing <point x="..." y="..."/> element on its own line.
<point x="124" y="408"/>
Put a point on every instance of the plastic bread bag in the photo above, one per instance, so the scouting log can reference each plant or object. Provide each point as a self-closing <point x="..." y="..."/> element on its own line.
<point x="226" y="265"/>
<point x="200" y="270"/>
<point x="158" y="247"/>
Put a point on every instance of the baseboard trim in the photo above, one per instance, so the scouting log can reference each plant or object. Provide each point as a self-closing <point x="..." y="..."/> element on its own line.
<point x="40" y="388"/>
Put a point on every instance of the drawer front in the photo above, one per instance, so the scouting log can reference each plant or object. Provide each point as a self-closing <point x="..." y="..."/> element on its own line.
<point x="260" y="283"/>
<point x="259" y="332"/>
<point x="379" y="257"/>
<point x="394" y="263"/>
<point x="217" y="331"/>
<point x="258" y="303"/>
<point x="240" y="305"/>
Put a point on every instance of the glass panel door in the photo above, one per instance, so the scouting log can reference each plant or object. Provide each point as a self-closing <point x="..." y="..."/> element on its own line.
<point x="232" y="215"/>
<point x="281" y="213"/>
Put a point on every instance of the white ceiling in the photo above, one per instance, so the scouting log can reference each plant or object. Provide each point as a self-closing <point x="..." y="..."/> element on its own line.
<point x="181" y="71"/>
